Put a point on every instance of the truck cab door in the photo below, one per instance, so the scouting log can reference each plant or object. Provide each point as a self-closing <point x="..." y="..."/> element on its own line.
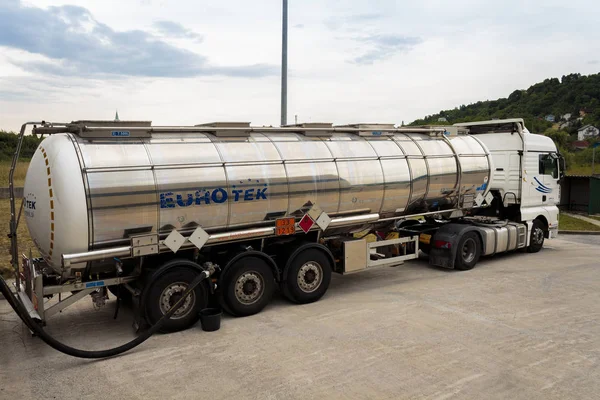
<point x="548" y="180"/>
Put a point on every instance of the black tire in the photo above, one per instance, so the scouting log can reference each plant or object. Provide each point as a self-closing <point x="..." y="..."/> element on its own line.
<point x="167" y="289"/>
<point x="536" y="241"/>
<point x="468" y="251"/>
<point x="247" y="286"/>
<point x="307" y="277"/>
<point x="120" y="291"/>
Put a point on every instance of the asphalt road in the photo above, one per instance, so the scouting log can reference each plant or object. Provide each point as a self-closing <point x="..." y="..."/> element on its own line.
<point x="518" y="326"/>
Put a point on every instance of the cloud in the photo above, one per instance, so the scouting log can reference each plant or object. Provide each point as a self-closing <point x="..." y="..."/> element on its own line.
<point x="76" y="44"/>
<point x="16" y="95"/>
<point x="299" y="26"/>
<point x="365" y="29"/>
<point x="364" y="17"/>
<point x="341" y="22"/>
<point x="593" y="62"/>
<point x="384" y="45"/>
<point x="176" y="30"/>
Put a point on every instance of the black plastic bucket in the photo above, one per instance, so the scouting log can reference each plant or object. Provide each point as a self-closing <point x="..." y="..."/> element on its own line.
<point x="210" y="318"/>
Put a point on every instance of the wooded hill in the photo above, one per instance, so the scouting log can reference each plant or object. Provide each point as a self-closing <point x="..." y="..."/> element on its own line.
<point x="574" y="94"/>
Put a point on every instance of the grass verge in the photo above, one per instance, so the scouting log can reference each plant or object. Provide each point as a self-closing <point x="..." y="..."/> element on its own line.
<point x="582" y="170"/>
<point x="568" y="223"/>
<point x="19" y="173"/>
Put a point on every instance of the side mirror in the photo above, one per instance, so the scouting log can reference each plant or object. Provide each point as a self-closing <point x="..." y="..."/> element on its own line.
<point x="561" y="166"/>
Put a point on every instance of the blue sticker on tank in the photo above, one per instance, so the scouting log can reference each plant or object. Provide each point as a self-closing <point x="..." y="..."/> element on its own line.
<point x="121" y="133"/>
<point x="217" y="196"/>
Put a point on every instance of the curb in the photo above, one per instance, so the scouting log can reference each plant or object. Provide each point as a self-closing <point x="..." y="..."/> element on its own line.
<point x="579" y="232"/>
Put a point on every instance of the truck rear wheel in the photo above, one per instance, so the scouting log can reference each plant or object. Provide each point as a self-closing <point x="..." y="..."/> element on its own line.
<point x="536" y="242"/>
<point x="307" y="277"/>
<point x="247" y="286"/>
<point x="166" y="290"/>
<point x="120" y="292"/>
<point x="468" y="251"/>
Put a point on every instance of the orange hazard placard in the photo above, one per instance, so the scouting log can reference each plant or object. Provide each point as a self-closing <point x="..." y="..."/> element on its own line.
<point x="285" y="226"/>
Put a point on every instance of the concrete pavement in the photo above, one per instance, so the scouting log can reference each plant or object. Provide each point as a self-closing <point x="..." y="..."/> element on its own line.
<point x="518" y="326"/>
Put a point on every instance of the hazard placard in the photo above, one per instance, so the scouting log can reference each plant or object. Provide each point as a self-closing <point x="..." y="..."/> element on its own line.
<point x="285" y="226"/>
<point x="306" y="223"/>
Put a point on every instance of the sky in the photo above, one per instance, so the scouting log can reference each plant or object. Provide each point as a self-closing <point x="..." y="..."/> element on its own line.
<point x="184" y="62"/>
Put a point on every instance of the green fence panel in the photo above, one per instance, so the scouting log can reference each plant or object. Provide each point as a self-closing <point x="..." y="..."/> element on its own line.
<point x="594" y="195"/>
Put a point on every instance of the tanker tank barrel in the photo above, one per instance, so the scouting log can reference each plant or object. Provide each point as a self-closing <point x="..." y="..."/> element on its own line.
<point x="234" y="180"/>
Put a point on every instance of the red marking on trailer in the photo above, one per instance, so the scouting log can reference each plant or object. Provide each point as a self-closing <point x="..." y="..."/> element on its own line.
<point x="306" y="223"/>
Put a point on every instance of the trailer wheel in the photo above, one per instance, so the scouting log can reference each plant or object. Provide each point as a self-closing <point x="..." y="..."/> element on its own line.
<point x="247" y="286"/>
<point x="536" y="242"/>
<point x="307" y="277"/>
<point x="468" y="251"/>
<point x="166" y="290"/>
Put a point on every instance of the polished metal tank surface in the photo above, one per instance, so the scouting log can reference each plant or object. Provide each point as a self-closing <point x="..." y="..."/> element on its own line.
<point x="181" y="180"/>
<point x="169" y="181"/>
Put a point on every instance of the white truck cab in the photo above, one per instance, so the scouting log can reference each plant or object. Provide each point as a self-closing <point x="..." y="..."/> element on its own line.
<point x="526" y="171"/>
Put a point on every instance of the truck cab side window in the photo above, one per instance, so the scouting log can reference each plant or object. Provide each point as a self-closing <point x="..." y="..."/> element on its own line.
<point x="549" y="165"/>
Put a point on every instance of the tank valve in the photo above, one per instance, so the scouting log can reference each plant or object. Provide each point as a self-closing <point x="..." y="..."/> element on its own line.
<point x="210" y="267"/>
<point x="118" y="266"/>
<point x="99" y="298"/>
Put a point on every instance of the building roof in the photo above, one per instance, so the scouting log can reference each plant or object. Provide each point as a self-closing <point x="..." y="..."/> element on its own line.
<point x="585" y="127"/>
<point x="582" y="144"/>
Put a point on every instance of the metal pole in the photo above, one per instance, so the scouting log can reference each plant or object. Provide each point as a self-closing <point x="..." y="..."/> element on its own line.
<point x="14" y="243"/>
<point x="284" y="31"/>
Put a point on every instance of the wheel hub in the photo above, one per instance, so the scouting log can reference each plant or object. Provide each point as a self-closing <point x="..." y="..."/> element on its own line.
<point x="171" y="295"/>
<point x="310" y="276"/>
<point x="468" y="250"/>
<point x="538" y="235"/>
<point x="249" y="287"/>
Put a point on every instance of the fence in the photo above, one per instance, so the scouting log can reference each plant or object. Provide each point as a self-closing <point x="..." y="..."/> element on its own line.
<point x="594" y="196"/>
<point x="5" y="194"/>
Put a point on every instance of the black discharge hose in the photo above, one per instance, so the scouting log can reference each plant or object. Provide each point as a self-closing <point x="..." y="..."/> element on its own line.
<point x="63" y="348"/>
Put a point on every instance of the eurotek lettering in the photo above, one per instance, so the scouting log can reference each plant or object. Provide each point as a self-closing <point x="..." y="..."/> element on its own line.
<point x="216" y="196"/>
<point x="29" y="203"/>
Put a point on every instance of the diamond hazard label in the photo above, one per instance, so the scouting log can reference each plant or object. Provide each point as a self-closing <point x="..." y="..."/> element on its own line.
<point x="323" y="221"/>
<point x="306" y="223"/>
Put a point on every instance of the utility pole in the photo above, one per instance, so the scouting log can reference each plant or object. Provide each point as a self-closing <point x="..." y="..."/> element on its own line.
<point x="284" y="32"/>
